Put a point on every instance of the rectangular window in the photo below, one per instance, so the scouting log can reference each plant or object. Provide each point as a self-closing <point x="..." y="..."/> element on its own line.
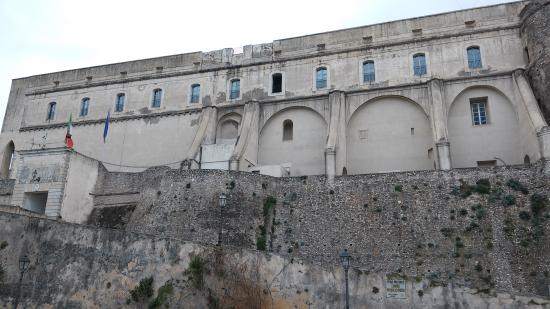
<point x="277" y="81"/>
<point x="474" y="58"/>
<point x="195" y="93"/>
<point x="321" y="78"/>
<point x="479" y="111"/>
<point x="235" y="89"/>
<point x="157" y="94"/>
<point x="119" y="106"/>
<point x="85" y="107"/>
<point x="420" y="68"/>
<point x="51" y="111"/>
<point x="368" y="72"/>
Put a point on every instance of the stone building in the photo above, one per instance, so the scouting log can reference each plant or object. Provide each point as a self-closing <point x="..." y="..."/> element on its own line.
<point x="454" y="90"/>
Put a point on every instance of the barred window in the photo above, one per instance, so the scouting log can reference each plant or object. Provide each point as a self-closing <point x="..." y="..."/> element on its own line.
<point x="195" y="93"/>
<point x="235" y="90"/>
<point x="479" y="111"/>
<point x="157" y="95"/>
<point x="368" y="71"/>
<point x="84" y="106"/>
<point x="119" y="105"/>
<point x="51" y="111"/>
<point x="419" y="62"/>
<point x="321" y="78"/>
<point x="474" y="57"/>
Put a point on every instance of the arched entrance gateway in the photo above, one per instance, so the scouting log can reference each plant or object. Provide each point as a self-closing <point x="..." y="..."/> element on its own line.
<point x="389" y="134"/>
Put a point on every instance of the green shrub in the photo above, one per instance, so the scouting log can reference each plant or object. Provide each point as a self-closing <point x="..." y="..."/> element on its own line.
<point x="515" y="185"/>
<point x="524" y="215"/>
<point x="261" y="243"/>
<point x="197" y="267"/>
<point x="2" y="273"/>
<point x="463" y="212"/>
<point x="538" y="203"/>
<point x="447" y="232"/>
<point x="483" y="186"/>
<point x="3" y="245"/>
<point x="398" y="188"/>
<point x="143" y="291"/>
<point x="471" y="227"/>
<point x="162" y="296"/>
<point x="509" y="200"/>
<point x="270" y="201"/>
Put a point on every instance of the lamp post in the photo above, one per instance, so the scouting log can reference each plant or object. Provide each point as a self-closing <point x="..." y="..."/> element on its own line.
<point x="221" y="201"/>
<point x="344" y="258"/>
<point x="23" y="266"/>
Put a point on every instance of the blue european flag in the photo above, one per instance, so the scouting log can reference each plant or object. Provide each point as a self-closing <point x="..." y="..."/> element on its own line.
<point x="106" y="129"/>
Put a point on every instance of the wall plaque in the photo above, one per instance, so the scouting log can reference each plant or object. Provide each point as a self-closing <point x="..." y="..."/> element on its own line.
<point x="395" y="288"/>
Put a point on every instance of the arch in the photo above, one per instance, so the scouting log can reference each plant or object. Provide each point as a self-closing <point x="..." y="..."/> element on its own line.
<point x="473" y="142"/>
<point x="7" y="160"/>
<point x="389" y="133"/>
<point x="228" y="128"/>
<point x="304" y="154"/>
<point x="388" y="96"/>
<point x="526" y="160"/>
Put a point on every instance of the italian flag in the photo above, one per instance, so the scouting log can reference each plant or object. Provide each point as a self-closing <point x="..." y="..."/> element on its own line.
<point x="68" y="136"/>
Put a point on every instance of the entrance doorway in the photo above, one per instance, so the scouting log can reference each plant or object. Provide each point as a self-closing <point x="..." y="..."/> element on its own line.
<point x="35" y="201"/>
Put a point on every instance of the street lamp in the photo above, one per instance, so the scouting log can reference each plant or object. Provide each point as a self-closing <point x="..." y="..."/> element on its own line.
<point x="23" y="266"/>
<point x="221" y="201"/>
<point x="344" y="258"/>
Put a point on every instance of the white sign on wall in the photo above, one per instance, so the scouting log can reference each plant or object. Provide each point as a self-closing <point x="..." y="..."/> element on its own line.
<point x="395" y="288"/>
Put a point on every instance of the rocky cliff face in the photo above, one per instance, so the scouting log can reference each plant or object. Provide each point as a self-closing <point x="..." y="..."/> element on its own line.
<point x="535" y="32"/>
<point x="76" y="266"/>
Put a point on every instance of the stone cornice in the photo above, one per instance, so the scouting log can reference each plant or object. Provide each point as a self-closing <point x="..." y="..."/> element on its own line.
<point x="371" y="46"/>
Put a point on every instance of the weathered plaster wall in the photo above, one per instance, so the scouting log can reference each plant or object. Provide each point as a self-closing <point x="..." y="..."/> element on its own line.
<point x="415" y="223"/>
<point x="74" y="266"/>
<point x="82" y="174"/>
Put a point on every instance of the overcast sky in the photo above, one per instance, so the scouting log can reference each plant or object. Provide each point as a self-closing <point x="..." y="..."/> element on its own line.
<point x="42" y="36"/>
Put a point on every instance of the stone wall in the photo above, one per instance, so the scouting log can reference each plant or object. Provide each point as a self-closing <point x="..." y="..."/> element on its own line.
<point x="6" y="191"/>
<point x="76" y="266"/>
<point x="535" y="32"/>
<point x="418" y="224"/>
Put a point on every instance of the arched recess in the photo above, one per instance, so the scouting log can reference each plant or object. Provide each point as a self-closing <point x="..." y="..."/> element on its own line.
<point x="7" y="160"/>
<point x="228" y="129"/>
<point x="492" y="143"/>
<point x="305" y="151"/>
<point x="387" y="134"/>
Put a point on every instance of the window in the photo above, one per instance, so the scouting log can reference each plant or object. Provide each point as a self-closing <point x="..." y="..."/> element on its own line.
<point x="288" y="127"/>
<point x="474" y="57"/>
<point x="368" y="71"/>
<point x="235" y="89"/>
<point x="321" y="78"/>
<point x="277" y="83"/>
<point x="479" y="111"/>
<point x="119" y="105"/>
<point x="85" y="106"/>
<point x="195" y="93"/>
<point x="51" y="111"/>
<point x="157" y="94"/>
<point x="419" y="61"/>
